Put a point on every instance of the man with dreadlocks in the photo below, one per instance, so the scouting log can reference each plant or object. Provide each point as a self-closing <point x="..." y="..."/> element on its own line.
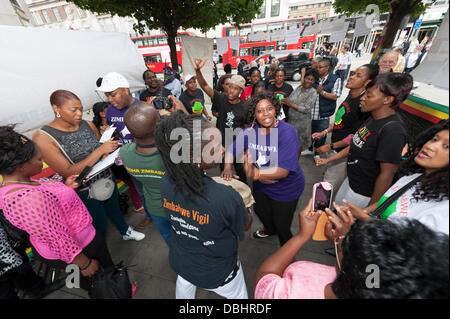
<point x="207" y="218"/>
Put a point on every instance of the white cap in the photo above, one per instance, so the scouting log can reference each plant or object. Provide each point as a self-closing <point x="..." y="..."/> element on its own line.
<point x="112" y="81"/>
<point x="188" y="77"/>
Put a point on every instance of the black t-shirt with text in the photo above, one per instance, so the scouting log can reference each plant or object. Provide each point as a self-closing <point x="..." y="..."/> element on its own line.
<point x="188" y="100"/>
<point x="146" y="95"/>
<point x="205" y="232"/>
<point x="348" y="119"/>
<point x="231" y="116"/>
<point x="377" y="141"/>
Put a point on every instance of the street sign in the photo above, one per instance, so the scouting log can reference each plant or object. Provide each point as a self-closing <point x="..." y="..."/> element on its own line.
<point x="417" y="24"/>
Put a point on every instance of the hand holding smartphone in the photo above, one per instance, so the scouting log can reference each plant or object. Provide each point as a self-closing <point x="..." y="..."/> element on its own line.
<point x="83" y="174"/>
<point x="322" y="194"/>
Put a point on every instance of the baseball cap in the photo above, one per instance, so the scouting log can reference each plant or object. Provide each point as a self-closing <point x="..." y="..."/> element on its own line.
<point x="188" y="77"/>
<point x="237" y="80"/>
<point x="112" y="81"/>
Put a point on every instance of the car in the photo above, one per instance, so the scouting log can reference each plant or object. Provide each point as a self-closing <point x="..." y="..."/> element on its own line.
<point x="290" y="60"/>
<point x="293" y="63"/>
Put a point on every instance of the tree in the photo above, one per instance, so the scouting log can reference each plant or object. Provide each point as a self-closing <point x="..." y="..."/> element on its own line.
<point x="170" y="15"/>
<point x="398" y="9"/>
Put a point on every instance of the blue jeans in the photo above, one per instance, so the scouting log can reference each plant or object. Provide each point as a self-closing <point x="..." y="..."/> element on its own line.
<point x="164" y="228"/>
<point x="319" y="126"/>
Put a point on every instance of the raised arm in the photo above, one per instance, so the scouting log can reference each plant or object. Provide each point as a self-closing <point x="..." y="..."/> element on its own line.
<point x="198" y="64"/>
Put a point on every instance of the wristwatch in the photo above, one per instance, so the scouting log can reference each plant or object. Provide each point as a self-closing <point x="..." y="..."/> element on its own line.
<point x="332" y="146"/>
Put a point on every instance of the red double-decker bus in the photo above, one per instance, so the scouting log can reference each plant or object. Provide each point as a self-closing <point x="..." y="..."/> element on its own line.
<point x="156" y="51"/>
<point x="249" y="51"/>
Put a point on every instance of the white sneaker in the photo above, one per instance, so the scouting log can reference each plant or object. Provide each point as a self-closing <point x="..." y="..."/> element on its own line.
<point x="133" y="235"/>
<point x="307" y="152"/>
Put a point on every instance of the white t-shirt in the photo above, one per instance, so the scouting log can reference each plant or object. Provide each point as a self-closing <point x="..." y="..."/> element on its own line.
<point x="432" y="213"/>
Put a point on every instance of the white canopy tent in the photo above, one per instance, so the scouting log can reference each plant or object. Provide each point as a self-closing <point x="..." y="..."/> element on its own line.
<point x="34" y="62"/>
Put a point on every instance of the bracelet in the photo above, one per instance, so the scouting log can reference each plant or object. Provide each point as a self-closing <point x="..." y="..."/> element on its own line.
<point x="87" y="266"/>
<point x="326" y="132"/>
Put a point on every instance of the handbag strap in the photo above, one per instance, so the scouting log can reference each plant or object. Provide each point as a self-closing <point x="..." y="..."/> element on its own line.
<point x="380" y="209"/>
<point x="59" y="145"/>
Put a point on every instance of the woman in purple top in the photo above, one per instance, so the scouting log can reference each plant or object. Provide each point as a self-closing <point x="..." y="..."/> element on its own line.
<point x="269" y="160"/>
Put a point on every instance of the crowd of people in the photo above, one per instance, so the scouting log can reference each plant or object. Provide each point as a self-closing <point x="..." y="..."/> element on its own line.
<point x="168" y="145"/>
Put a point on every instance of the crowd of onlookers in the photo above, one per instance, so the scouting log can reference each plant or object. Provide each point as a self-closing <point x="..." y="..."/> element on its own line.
<point x="390" y="190"/>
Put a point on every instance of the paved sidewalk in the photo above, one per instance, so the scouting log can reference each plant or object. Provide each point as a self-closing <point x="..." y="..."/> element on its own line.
<point x="155" y="277"/>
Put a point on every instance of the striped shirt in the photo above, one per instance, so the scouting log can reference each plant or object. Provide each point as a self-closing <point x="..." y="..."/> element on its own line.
<point x="337" y="90"/>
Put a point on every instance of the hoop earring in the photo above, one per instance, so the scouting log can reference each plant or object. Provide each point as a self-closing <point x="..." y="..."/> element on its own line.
<point x="58" y="115"/>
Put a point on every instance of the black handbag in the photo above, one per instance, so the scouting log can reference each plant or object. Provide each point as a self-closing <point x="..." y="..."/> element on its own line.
<point x="16" y="236"/>
<point x="111" y="283"/>
<point x="380" y="209"/>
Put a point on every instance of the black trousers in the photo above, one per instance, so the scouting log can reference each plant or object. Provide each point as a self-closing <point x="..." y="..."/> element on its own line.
<point x="276" y="216"/>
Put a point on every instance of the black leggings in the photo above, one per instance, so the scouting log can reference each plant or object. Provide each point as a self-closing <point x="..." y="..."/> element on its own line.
<point x="276" y="216"/>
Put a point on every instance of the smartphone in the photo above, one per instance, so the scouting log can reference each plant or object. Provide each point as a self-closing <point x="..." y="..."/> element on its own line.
<point x="83" y="174"/>
<point x="322" y="194"/>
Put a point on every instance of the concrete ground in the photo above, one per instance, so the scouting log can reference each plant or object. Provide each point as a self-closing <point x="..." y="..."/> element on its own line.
<point x="155" y="277"/>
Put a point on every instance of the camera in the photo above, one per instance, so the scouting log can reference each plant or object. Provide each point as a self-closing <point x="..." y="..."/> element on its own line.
<point x="162" y="103"/>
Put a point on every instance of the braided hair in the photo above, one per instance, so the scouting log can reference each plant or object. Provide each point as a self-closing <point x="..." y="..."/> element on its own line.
<point x="435" y="185"/>
<point x="188" y="177"/>
<point x="15" y="149"/>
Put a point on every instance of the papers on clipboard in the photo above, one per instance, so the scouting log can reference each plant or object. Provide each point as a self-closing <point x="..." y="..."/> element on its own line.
<point x="106" y="136"/>
<point x="104" y="164"/>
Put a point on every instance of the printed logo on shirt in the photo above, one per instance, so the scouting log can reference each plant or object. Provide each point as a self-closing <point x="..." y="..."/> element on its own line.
<point x="230" y="119"/>
<point x="360" y="138"/>
<point x="343" y="109"/>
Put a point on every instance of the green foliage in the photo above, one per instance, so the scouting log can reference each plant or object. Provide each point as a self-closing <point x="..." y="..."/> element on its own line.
<point x="170" y="15"/>
<point x="410" y="7"/>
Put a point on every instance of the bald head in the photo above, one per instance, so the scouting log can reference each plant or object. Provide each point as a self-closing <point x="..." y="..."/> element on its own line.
<point x="140" y="119"/>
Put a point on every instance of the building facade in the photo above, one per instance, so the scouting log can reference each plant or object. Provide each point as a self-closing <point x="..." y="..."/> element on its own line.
<point x="320" y="9"/>
<point x="15" y="12"/>
<point x="66" y="15"/>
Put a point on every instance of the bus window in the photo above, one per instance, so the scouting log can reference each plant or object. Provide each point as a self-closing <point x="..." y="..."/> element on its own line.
<point x="260" y="27"/>
<point x="152" y="58"/>
<point x="162" y="40"/>
<point x="233" y="53"/>
<point x="307" y="45"/>
<point x="293" y="24"/>
<point x="139" y="42"/>
<point x="177" y="40"/>
<point x="275" y="25"/>
<point x="257" y="51"/>
<point x="152" y="41"/>
<point x="244" y="52"/>
<point x="270" y="48"/>
<point x="229" y="32"/>
<point x="145" y="42"/>
<point x="245" y="30"/>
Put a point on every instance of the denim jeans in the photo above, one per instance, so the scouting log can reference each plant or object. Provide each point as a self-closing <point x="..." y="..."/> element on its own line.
<point x="319" y="126"/>
<point x="164" y="228"/>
